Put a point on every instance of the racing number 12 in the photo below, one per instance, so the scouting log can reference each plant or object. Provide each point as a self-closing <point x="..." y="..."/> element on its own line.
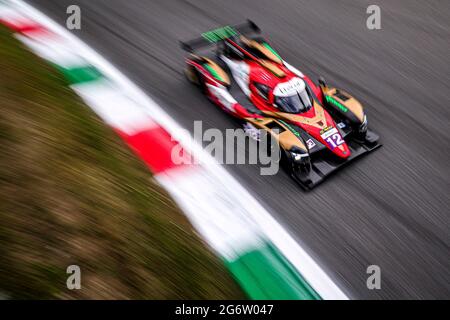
<point x="335" y="140"/>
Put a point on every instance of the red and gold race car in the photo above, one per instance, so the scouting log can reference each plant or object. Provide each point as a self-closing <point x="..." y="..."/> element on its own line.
<point x="318" y="127"/>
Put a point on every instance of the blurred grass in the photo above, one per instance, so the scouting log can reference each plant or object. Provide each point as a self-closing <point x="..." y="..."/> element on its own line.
<point x="72" y="193"/>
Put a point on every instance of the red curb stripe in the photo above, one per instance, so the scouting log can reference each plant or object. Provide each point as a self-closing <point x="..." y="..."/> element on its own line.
<point x="38" y="32"/>
<point x="27" y="27"/>
<point x="21" y="24"/>
<point x="154" y="146"/>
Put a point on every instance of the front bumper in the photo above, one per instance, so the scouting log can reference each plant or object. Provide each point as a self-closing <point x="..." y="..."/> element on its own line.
<point x="322" y="166"/>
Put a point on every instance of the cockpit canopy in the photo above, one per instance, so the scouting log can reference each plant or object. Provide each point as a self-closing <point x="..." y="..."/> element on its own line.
<point x="293" y="96"/>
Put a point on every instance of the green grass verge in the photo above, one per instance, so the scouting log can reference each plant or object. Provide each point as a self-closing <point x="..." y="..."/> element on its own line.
<point x="73" y="193"/>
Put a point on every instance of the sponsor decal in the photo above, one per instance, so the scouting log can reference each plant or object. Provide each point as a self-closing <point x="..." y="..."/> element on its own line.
<point x="295" y="132"/>
<point x="252" y="131"/>
<point x="326" y="129"/>
<point x="311" y="144"/>
<point x="341" y="125"/>
<point x="213" y="72"/>
<point x="332" y="137"/>
<point x="265" y="44"/>
<point x="289" y="88"/>
<point x="336" y="103"/>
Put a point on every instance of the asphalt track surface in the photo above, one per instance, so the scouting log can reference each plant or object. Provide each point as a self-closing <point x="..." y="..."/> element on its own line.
<point x="390" y="208"/>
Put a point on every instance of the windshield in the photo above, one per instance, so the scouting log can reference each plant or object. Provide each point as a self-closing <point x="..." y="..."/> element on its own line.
<point x="297" y="103"/>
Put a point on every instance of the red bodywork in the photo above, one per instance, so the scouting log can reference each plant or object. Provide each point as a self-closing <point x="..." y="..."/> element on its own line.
<point x="260" y="74"/>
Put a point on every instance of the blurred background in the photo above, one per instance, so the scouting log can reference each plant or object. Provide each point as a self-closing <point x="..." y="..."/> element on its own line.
<point x="62" y="192"/>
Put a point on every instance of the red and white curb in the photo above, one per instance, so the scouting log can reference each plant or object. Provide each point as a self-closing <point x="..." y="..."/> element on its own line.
<point x="264" y="258"/>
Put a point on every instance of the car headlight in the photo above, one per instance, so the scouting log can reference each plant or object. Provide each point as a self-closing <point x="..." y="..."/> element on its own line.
<point x="298" y="156"/>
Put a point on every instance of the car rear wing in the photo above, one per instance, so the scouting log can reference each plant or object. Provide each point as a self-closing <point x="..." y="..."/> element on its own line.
<point x="220" y="34"/>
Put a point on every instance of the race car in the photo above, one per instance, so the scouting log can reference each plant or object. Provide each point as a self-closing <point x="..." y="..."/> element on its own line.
<point x="319" y="128"/>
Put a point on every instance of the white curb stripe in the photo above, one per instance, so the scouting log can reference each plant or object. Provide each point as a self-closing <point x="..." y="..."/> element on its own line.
<point x="51" y="49"/>
<point x="10" y="15"/>
<point x="114" y="107"/>
<point x="212" y="212"/>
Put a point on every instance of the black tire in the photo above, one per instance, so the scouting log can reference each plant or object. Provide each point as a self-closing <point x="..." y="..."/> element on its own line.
<point x="294" y="168"/>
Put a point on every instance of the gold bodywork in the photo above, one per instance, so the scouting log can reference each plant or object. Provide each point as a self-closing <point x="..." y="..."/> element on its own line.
<point x="272" y="67"/>
<point x="319" y="120"/>
<point x="353" y="105"/>
<point x="271" y="62"/>
<point x="264" y="50"/>
<point x="218" y="70"/>
<point x="213" y="65"/>
<point x="286" y="139"/>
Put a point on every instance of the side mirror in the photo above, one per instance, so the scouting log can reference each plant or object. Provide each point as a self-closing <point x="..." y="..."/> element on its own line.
<point x="322" y="82"/>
